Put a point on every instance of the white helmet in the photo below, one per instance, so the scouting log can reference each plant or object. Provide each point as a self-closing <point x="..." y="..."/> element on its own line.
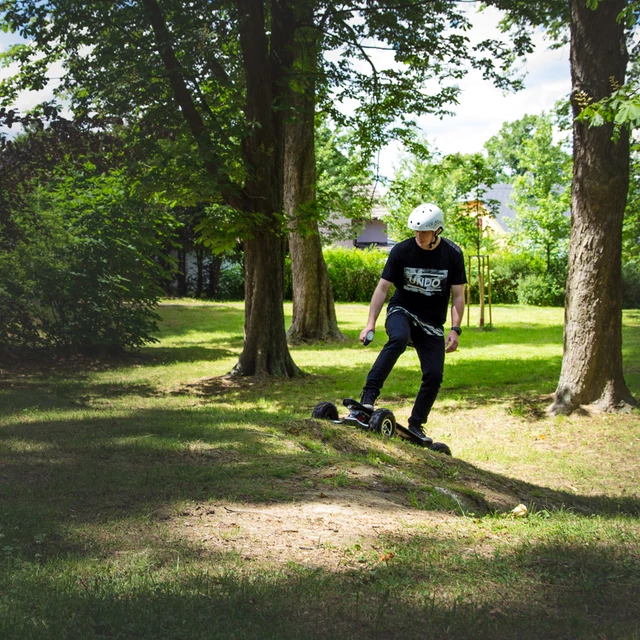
<point x="426" y="217"/>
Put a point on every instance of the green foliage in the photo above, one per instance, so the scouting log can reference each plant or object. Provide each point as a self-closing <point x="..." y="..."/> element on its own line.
<point x="503" y="149"/>
<point x="219" y="227"/>
<point x="631" y="222"/>
<point x="631" y="285"/>
<point x="540" y="290"/>
<point x="451" y="182"/>
<point x="521" y="278"/>
<point x="507" y="269"/>
<point x="431" y="51"/>
<point x="184" y="93"/>
<point x="342" y="179"/>
<point x="621" y="108"/>
<point x="354" y="274"/>
<point x="231" y="282"/>
<point x="81" y="270"/>
<point x="542" y="195"/>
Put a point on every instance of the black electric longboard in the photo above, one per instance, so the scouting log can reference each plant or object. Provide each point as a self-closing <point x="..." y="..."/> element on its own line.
<point x="379" y="420"/>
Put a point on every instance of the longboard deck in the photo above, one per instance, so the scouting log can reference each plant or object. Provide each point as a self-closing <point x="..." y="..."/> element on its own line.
<point x="423" y="441"/>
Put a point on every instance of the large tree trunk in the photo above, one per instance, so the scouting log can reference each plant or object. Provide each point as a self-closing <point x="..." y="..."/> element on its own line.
<point x="314" y="315"/>
<point x="265" y="350"/>
<point x="592" y="362"/>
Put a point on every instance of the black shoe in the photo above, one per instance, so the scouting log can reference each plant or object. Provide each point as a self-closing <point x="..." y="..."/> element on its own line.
<point x="367" y="399"/>
<point x="416" y="430"/>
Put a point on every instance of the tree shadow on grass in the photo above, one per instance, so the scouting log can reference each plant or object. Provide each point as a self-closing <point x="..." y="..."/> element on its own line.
<point x="63" y="482"/>
<point x="523" y="388"/>
<point x="188" y="353"/>
<point x="437" y="589"/>
<point x="93" y="469"/>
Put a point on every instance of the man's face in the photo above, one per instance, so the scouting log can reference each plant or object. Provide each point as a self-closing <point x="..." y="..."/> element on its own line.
<point x="425" y="238"/>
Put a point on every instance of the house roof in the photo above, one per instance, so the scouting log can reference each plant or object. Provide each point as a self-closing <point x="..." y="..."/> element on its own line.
<point x="501" y="192"/>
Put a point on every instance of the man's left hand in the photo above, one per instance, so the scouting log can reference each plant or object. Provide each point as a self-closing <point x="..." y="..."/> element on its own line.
<point x="452" y="342"/>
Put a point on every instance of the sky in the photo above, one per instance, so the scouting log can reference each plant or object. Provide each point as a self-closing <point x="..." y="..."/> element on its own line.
<point x="482" y="109"/>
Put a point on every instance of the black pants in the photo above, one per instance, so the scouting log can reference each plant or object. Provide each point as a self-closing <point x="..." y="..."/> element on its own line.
<point x="430" y="349"/>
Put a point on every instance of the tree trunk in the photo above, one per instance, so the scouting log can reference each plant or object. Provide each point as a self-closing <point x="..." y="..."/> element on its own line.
<point x="314" y="315"/>
<point x="199" y="271"/>
<point x="592" y="361"/>
<point x="265" y="350"/>
<point x="214" y="267"/>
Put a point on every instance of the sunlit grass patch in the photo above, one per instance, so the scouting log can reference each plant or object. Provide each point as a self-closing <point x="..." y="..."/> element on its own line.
<point x="150" y="496"/>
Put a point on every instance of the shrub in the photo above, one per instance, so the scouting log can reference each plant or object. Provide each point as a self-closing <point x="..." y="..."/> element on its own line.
<point x="631" y="285"/>
<point x="80" y="270"/>
<point x="516" y="277"/>
<point x="506" y="272"/>
<point x="231" y="282"/>
<point x="541" y="290"/>
<point x="354" y="274"/>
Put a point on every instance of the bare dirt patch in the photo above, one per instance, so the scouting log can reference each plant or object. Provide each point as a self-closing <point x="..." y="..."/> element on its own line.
<point x="330" y="529"/>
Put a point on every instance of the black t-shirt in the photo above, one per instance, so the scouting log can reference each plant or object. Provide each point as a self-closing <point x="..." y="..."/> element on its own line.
<point x="423" y="278"/>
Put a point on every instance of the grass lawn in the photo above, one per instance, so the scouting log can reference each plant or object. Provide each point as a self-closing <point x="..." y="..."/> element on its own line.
<point x="152" y="497"/>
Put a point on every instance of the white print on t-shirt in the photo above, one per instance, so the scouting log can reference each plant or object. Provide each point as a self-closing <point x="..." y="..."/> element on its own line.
<point x="428" y="282"/>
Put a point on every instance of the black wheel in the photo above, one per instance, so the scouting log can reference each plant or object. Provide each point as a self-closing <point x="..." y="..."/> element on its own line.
<point x="383" y="421"/>
<point x="440" y="447"/>
<point x="325" y="411"/>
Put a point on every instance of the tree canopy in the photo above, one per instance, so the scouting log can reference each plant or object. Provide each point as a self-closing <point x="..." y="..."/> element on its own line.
<point x="214" y="90"/>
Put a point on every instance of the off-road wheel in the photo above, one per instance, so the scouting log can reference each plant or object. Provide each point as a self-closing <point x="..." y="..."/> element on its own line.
<point x="383" y="421"/>
<point x="325" y="411"/>
<point x="440" y="447"/>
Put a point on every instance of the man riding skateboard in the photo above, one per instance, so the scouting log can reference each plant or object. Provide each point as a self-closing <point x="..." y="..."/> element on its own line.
<point x="426" y="270"/>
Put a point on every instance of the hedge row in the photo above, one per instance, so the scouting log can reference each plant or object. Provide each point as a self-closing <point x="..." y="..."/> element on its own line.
<point x="515" y="279"/>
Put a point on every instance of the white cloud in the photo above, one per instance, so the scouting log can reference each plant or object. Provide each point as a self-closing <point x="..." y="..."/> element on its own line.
<point x="483" y="108"/>
<point x="28" y="99"/>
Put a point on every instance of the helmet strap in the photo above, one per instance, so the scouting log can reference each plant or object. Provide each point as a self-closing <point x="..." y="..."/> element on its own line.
<point x="436" y="235"/>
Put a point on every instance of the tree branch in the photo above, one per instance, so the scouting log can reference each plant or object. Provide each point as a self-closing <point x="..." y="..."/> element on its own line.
<point x="185" y="101"/>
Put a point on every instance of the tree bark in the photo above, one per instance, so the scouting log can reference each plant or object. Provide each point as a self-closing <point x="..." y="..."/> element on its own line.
<point x="265" y="350"/>
<point x="592" y="360"/>
<point x="314" y="315"/>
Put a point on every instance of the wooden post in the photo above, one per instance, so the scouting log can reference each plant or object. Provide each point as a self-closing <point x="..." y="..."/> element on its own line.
<point x="484" y="286"/>
<point x="489" y="289"/>
<point x="481" y="289"/>
<point x="469" y="292"/>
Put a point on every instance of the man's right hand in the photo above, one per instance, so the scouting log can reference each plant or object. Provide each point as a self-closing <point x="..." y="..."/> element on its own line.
<point x="377" y="302"/>
<point x="363" y="333"/>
